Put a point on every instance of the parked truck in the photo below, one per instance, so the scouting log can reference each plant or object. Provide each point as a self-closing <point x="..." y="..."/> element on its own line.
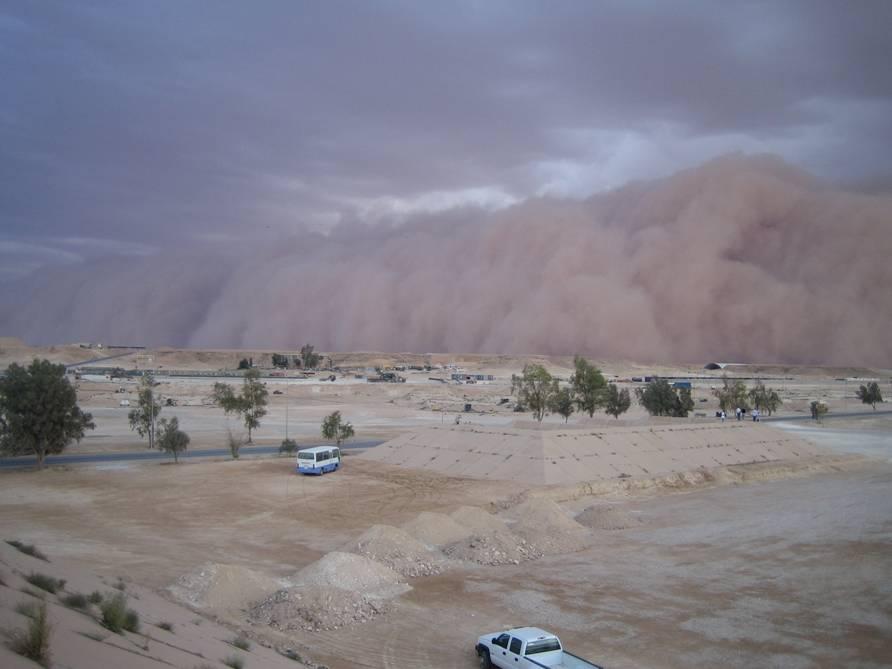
<point x="527" y="648"/>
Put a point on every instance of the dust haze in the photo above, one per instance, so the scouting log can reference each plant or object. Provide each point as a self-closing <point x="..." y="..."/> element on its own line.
<point x="744" y="258"/>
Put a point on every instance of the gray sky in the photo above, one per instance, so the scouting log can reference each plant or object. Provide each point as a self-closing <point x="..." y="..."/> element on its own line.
<point x="129" y="128"/>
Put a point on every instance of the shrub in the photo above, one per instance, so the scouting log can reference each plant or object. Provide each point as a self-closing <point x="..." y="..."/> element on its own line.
<point x="34" y="642"/>
<point x="131" y="621"/>
<point x="288" y="446"/>
<point x="241" y="643"/>
<point x="76" y="601"/>
<point x="234" y="661"/>
<point x="27" y="609"/>
<point x="28" y="549"/>
<point x="167" y="627"/>
<point x="120" y="585"/>
<point x="292" y="654"/>
<point x="117" y="617"/>
<point x="95" y="597"/>
<point x="45" y="582"/>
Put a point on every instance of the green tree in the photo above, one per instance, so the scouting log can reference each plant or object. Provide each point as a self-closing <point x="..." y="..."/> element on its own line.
<point x="39" y="414"/>
<point x="732" y="395"/>
<point x="250" y="403"/>
<point x="561" y="403"/>
<point x="534" y="389"/>
<point x="616" y="401"/>
<point x="334" y="427"/>
<point x="588" y="385"/>
<point x="764" y="399"/>
<point x="143" y="417"/>
<point x="280" y="360"/>
<point x="683" y="403"/>
<point x="818" y="410"/>
<point x="171" y="439"/>
<point x="309" y="357"/>
<point x="870" y="394"/>
<point x="659" y="398"/>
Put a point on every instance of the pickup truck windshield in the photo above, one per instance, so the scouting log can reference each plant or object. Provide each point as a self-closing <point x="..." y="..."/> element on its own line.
<point x="542" y="646"/>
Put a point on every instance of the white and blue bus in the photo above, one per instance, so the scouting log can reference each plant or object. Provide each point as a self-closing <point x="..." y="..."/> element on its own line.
<point x="318" y="460"/>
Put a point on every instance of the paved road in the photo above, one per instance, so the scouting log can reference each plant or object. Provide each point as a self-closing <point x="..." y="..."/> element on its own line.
<point x="829" y="416"/>
<point x="95" y="458"/>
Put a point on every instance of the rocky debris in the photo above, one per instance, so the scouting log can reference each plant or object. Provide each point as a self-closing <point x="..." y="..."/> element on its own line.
<point x="436" y="529"/>
<point x="222" y="587"/>
<point x="337" y="590"/>
<point x="315" y="608"/>
<point x="607" y="518"/>
<point x="548" y="528"/>
<point x="398" y="550"/>
<point x="495" y="548"/>
<point x="478" y="520"/>
<point x="347" y="571"/>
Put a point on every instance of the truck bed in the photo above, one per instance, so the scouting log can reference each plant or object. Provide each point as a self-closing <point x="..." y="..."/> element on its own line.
<point x="569" y="661"/>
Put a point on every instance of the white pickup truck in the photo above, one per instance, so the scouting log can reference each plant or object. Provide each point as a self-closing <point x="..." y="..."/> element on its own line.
<point x="527" y="648"/>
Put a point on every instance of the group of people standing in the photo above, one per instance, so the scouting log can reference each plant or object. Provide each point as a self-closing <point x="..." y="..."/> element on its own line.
<point x="740" y="413"/>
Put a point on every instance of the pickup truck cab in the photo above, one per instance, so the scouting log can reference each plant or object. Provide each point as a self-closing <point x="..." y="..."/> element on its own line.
<point x="527" y="648"/>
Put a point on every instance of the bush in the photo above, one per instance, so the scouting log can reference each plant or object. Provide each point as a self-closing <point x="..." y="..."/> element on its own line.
<point x="117" y="617"/>
<point x="167" y="627"/>
<point x="131" y="621"/>
<point x="241" y="643"/>
<point x="288" y="446"/>
<point x="234" y="661"/>
<point x="95" y="597"/>
<point x="28" y="549"/>
<point x="34" y="642"/>
<point x="45" y="582"/>
<point x="76" y="601"/>
<point x="27" y="609"/>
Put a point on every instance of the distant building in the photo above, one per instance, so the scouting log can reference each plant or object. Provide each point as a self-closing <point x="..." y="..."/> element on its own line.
<point x="461" y="376"/>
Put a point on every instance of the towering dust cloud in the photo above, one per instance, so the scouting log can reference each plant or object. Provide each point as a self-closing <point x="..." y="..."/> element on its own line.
<point x="741" y="259"/>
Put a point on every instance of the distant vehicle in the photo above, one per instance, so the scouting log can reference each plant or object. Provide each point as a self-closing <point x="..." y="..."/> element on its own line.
<point x="124" y="403"/>
<point x="527" y="648"/>
<point x="318" y="460"/>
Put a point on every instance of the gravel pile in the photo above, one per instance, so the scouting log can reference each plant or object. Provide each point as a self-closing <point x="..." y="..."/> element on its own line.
<point x="223" y="587"/>
<point x="398" y="550"/>
<point x="337" y="590"/>
<point x="548" y="528"/>
<point x="347" y="571"/>
<point x="477" y="520"/>
<point x="607" y="518"/>
<point x="494" y="548"/>
<point x="436" y="529"/>
<point x="315" y="608"/>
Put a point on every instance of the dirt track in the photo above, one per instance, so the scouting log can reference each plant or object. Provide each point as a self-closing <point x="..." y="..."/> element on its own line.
<point x="755" y="575"/>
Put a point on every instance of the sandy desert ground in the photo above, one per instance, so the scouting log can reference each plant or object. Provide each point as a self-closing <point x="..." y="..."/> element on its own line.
<point x="778" y="564"/>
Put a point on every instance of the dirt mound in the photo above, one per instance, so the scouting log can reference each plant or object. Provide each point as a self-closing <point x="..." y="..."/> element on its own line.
<point x="436" y="529"/>
<point x="548" y="528"/>
<point x="316" y="608"/>
<point x="222" y="587"/>
<point x="347" y="571"/>
<point x="607" y="518"/>
<point x="398" y="550"/>
<point x="477" y="520"/>
<point x="493" y="548"/>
